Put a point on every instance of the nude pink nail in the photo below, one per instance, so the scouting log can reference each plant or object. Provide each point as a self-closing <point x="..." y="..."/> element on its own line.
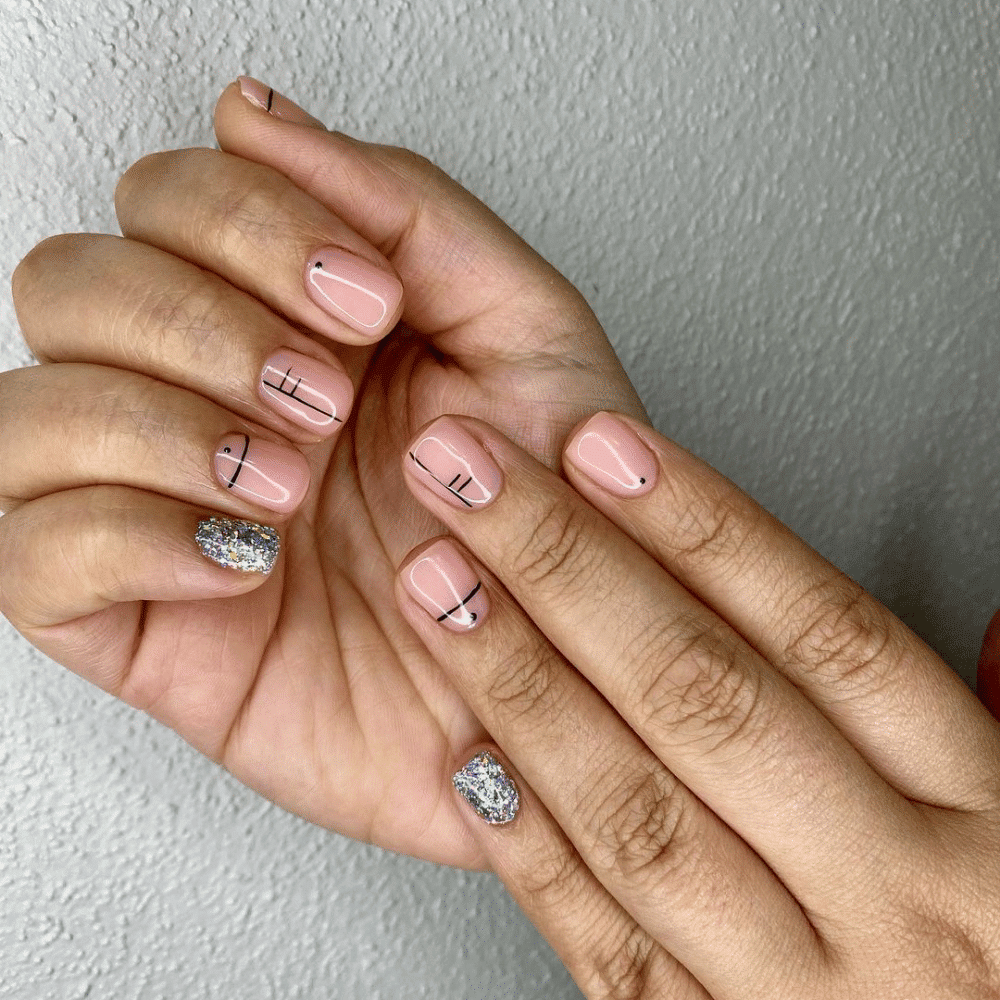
<point x="307" y="391"/>
<point x="351" y="289"/>
<point x="262" y="472"/>
<point x="447" y="587"/>
<point x="612" y="455"/>
<point x="455" y="466"/>
<point x="275" y="104"/>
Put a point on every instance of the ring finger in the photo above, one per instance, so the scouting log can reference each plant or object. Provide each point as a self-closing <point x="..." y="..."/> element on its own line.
<point x="651" y="843"/>
<point x="90" y="424"/>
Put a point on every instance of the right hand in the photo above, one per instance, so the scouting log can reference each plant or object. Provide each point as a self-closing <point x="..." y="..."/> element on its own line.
<point x="306" y="683"/>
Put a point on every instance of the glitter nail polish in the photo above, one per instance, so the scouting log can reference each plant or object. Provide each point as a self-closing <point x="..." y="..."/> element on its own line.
<point x="238" y="544"/>
<point x="488" y="788"/>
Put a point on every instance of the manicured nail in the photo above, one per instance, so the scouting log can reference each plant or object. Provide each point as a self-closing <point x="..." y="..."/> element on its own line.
<point x="447" y="587"/>
<point x="307" y="391"/>
<point x="243" y="545"/>
<point x="455" y="466"/>
<point x="273" y="103"/>
<point x="351" y="289"/>
<point x="262" y="472"/>
<point x="488" y="788"/>
<point x="611" y="454"/>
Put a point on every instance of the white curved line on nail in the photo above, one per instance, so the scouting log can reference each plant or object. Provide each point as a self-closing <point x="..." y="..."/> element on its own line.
<point x="315" y="272"/>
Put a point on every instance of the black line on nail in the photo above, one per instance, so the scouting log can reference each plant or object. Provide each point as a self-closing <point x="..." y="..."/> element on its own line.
<point x="463" y="602"/>
<point x="298" y="399"/>
<point x="270" y="98"/>
<point x="246" y="448"/>
<point x="468" y="503"/>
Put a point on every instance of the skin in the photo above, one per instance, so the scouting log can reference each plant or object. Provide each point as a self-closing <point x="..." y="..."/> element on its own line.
<point x="308" y="685"/>
<point x="740" y="775"/>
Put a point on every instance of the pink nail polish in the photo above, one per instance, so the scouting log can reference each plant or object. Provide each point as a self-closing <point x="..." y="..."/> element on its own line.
<point x="455" y="466"/>
<point x="351" y="289"/>
<point x="262" y="472"/>
<point x="611" y="454"/>
<point x="307" y="391"/>
<point x="447" y="587"/>
<point x="275" y="104"/>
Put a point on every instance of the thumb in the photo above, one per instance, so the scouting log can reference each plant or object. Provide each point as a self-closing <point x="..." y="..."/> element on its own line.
<point x="988" y="684"/>
<point x="458" y="261"/>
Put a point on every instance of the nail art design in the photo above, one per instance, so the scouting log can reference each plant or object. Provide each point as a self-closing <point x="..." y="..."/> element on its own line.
<point x="458" y="464"/>
<point x="291" y="393"/>
<point x="238" y="544"/>
<point x="443" y="583"/>
<point x="488" y="788"/>
<point x="351" y="289"/>
<point x="262" y="472"/>
<point x="610" y="453"/>
<point x="228" y="450"/>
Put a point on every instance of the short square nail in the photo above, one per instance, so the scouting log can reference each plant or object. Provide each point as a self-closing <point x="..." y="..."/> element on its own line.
<point x="352" y="290"/>
<point x="443" y="583"/>
<point x="304" y="390"/>
<point x="277" y="105"/>
<point x="238" y="544"/>
<point x="609" y="453"/>
<point x="488" y="788"/>
<point x="262" y="472"/>
<point x="455" y="466"/>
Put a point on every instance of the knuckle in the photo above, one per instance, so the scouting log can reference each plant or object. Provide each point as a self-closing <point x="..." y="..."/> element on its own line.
<point x="843" y="635"/>
<point x="555" y="880"/>
<point x="623" y="969"/>
<point x="524" y="685"/>
<point x="638" y="829"/>
<point x="557" y="551"/>
<point x="698" y="682"/>
<point x="715" y="530"/>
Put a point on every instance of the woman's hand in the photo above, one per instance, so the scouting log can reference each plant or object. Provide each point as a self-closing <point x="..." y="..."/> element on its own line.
<point x="221" y="322"/>
<point x="740" y="775"/>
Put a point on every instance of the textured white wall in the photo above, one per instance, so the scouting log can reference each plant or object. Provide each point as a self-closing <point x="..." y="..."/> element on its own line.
<point x="787" y="216"/>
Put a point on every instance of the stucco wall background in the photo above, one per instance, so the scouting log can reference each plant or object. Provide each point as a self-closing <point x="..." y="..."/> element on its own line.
<point x="787" y="217"/>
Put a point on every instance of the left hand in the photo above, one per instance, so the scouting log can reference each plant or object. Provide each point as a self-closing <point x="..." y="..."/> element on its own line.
<point x="740" y="775"/>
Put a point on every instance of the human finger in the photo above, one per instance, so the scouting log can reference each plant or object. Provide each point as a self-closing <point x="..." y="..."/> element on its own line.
<point x="70" y="425"/>
<point x="685" y="877"/>
<point x="733" y="730"/>
<point x="599" y="942"/>
<point x="856" y="661"/>
<point x="80" y="564"/>
<point x="137" y="307"/>
<point x="251" y="225"/>
<point x="459" y="262"/>
<point x="988" y="668"/>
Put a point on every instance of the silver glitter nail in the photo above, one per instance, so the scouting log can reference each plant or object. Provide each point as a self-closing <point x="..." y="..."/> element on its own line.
<point x="239" y="544"/>
<point x="487" y="787"/>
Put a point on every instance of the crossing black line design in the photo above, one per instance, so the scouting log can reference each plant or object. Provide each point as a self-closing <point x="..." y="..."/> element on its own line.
<point x="298" y="399"/>
<point x="462" y="603"/>
<point x="450" y="487"/>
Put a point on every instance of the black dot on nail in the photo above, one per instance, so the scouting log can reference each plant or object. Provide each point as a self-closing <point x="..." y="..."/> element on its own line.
<point x="318" y="263"/>
<point x="227" y="450"/>
<point x="641" y="481"/>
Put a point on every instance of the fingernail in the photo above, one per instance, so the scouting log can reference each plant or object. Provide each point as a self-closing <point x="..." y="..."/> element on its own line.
<point x="273" y="103"/>
<point x="243" y="545"/>
<point x="351" y="289"/>
<point x="447" y="587"/>
<point x="262" y="472"/>
<point x="611" y="454"/>
<point x="455" y="466"/>
<point x="488" y="788"/>
<point x="307" y="391"/>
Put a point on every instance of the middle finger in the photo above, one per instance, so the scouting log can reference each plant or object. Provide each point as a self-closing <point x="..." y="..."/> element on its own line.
<point x="729" y="726"/>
